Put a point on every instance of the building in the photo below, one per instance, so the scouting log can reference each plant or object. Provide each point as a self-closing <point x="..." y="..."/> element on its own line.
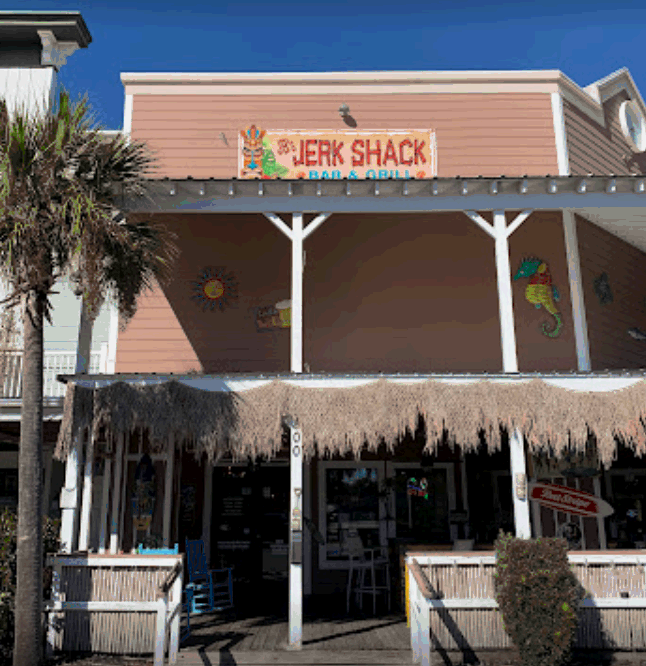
<point x="33" y="48"/>
<point x="360" y="249"/>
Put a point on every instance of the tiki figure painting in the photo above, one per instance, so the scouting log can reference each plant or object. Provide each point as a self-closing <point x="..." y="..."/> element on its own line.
<point x="252" y="152"/>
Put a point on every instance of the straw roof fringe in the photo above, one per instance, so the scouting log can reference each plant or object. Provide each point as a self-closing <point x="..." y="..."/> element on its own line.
<point x="342" y="420"/>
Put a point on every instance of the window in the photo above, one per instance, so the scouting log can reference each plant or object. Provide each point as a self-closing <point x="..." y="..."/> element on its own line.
<point x="424" y="519"/>
<point x="633" y="125"/>
<point x="349" y="497"/>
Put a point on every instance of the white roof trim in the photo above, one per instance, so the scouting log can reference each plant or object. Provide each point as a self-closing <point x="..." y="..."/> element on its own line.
<point x="278" y="78"/>
<point x="610" y="85"/>
<point x="592" y="382"/>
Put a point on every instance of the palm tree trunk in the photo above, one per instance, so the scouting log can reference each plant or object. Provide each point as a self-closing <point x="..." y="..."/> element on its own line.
<point x="29" y="594"/>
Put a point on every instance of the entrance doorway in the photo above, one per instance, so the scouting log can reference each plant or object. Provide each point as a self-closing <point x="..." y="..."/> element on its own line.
<point x="250" y="532"/>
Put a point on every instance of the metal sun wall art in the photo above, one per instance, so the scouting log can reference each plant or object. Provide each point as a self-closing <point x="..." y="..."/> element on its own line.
<point x="215" y="289"/>
<point x="540" y="291"/>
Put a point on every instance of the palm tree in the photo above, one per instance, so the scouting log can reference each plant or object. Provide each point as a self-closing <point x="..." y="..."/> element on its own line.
<point x="58" y="219"/>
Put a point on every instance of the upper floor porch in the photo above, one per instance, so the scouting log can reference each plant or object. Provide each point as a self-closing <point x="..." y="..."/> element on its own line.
<point x="396" y="276"/>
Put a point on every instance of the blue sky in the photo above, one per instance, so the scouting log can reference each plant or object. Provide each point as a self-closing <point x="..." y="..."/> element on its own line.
<point x="586" y="40"/>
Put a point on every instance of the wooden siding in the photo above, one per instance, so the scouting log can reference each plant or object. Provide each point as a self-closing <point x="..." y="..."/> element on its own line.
<point x="611" y="348"/>
<point x="597" y="149"/>
<point x="488" y="134"/>
<point x="382" y="293"/>
<point x="392" y="293"/>
<point x="172" y="333"/>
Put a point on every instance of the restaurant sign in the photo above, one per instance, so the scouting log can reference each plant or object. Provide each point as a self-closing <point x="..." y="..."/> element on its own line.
<point x="336" y="154"/>
<point x="569" y="500"/>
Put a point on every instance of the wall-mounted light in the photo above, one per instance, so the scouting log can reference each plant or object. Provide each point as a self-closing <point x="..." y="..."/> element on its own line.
<point x="172" y="190"/>
<point x="201" y="190"/>
<point x="344" y="110"/>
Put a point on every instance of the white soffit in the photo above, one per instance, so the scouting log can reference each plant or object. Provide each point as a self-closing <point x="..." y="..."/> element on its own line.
<point x="629" y="224"/>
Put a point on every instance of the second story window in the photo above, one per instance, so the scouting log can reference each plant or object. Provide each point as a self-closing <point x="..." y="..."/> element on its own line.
<point x="633" y="125"/>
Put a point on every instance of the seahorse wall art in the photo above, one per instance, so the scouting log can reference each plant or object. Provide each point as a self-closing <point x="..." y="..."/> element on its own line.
<point x="540" y="290"/>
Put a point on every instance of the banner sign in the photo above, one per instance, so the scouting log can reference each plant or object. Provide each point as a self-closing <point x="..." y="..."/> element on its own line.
<point x="336" y="154"/>
<point x="569" y="500"/>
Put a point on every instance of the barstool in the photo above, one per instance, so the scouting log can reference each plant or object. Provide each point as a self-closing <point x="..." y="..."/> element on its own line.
<point x="376" y="565"/>
<point x="363" y="560"/>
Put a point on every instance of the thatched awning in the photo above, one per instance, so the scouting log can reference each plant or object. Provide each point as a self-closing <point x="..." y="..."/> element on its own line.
<point x="243" y="416"/>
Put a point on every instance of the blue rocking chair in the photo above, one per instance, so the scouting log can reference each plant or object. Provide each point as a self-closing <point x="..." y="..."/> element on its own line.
<point x="206" y="590"/>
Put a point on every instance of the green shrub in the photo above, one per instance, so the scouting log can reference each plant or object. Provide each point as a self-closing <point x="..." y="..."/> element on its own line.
<point x="8" y="527"/>
<point x="538" y="596"/>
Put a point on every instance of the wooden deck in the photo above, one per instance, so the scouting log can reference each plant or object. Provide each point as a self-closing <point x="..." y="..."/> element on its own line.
<point x="329" y="637"/>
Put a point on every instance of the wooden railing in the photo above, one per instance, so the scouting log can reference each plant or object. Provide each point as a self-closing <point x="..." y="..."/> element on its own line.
<point x="459" y="590"/>
<point x="168" y="618"/>
<point x="54" y="363"/>
<point x="116" y="604"/>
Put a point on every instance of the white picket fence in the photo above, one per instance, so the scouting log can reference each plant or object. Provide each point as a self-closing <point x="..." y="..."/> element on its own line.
<point x="55" y="363"/>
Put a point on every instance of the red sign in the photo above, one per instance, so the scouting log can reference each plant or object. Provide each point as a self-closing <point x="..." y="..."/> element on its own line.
<point x="569" y="500"/>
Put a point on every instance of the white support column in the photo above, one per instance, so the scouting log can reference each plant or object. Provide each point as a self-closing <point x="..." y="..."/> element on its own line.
<point x="69" y="495"/>
<point x="297" y="235"/>
<point x="116" y="496"/>
<point x="297" y="294"/>
<point x="113" y="337"/>
<point x="519" y="484"/>
<point x="296" y="538"/>
<point x="168" y="491"/>
<point x="86" y="505"/>
<point x="505" y="299"/>
<point x="576" y="292"/>
<point x="105" y="502"/>
<point x="208" y="507"/>
<point x="601" y="522"/>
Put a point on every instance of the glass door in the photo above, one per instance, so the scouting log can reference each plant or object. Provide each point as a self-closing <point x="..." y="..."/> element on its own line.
<point x="423" y="499"/>
<point x="350" y="503"/>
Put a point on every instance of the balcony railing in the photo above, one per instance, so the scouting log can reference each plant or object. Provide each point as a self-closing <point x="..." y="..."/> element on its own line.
<point x="55" y="363"/>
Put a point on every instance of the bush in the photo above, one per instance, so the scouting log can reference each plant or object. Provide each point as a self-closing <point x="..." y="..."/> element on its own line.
<point x="538" y="596"/>
<point x="8" y="528"/>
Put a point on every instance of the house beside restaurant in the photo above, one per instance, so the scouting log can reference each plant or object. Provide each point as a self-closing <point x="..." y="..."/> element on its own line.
<point x="34" y="46"/>
<point x="447" y="266"/>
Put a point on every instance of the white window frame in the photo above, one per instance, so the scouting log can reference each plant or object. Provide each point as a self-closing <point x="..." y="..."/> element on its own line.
<point x="636" y="111"/>
<point x="622" y="472"/>
<point x="450" y="475"/>
<point x="324" y="465"/>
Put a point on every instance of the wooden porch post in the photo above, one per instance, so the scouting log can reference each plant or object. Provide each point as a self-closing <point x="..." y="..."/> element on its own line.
<point x="70" y="493"/>
<point x="105" y="501"/>
<point x="500" y="233"/>
<point x="510" y="364"/>
<point x="296" y="538"/>
<point x="519" y="484"/>
<point x="69" y="496"/>
<point x="116" y="495"/>
<point x="576" y="292"/>
<point x="505" y="299"/>
<point x="168" y="490"/>
<point x="86" y="505"/>
<point x="297" y="293"/>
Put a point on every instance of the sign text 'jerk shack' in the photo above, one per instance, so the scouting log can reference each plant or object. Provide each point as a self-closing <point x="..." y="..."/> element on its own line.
<point x="334" y="155"/>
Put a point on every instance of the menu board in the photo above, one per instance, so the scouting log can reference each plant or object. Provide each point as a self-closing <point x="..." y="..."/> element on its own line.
<point x="232" y="506"/>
